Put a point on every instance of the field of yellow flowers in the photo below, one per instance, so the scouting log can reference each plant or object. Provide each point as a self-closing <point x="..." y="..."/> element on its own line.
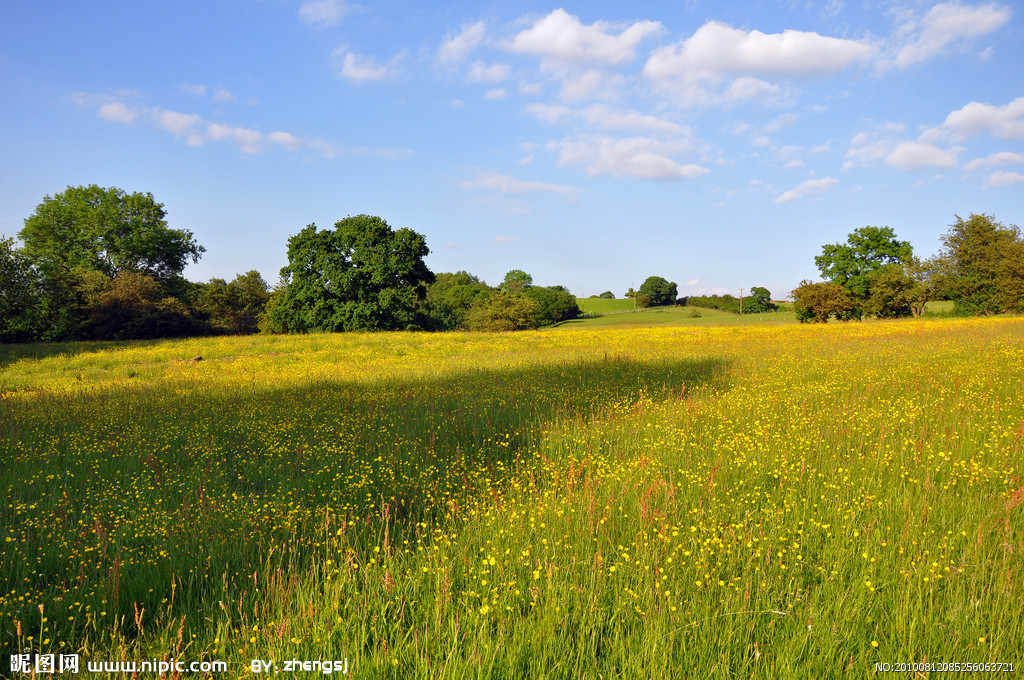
<point x="756" y="501"/>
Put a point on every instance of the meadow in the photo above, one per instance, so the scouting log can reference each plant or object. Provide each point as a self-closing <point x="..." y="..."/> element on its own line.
<point x="677" y="501"/>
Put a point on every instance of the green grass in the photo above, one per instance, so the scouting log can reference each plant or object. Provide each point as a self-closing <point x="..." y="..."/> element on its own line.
<point x="601" y="306"/>
<point x="673" y="316"/>
<point x="731" y="500"/>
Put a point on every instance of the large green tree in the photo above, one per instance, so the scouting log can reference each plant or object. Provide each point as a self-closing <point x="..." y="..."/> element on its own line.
<point x="818" y="302"/>
<point x="20" y="289"/>
<point x="982" y="265"/>
<point x="866" y="250"/>
<point x="516" y="280"/>
<point x="659" y="290"/>
<point x="234" y="307"/>
<point x="109" y="231"/>
<point x="556" y="303"/>
<point x="361" y="275"/>
<point x="450" y="298"/>
<point x="505" y="310"/>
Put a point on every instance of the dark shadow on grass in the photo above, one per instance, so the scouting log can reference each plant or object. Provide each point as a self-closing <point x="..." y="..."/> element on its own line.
<point x="12" y="353"/>
<point x="222" y="470"/>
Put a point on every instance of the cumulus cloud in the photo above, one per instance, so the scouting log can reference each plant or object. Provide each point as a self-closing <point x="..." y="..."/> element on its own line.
<point x="196" y="131"/>
<point x="945" y="26"/>
<point x="456" y="48"/>
<point x="501" y="238"/>
<point x="870" y="148"/>
<point x="181" y="125"/>
<point x="639" y="157"/>
<point x="219" y="94"/>
<point x="193" y="89"/>
<point x="719" y="48"/>
<point x="912" y="156"/>
<point x="323" y="13"/>
<point x="563" y="37"/>
<point x="743" y="89"/>
<point x="590" y="84"/>
<point x="249" y="141"/>
<point x="361" y="68"/>
<point x="812" y="187"/>
<point x="1005" y="122"/>
<point x="607" y="118"/>
<point x="495" y="94"/>
<point x="481" y="73"/>
<point x="1001" y="178"/>
<point x="504" y="184"/>
<point x="117" y="111"/>
<point x="223" y="95"/>
<point x="285" y="139"/>
<point x="995" y="160"/>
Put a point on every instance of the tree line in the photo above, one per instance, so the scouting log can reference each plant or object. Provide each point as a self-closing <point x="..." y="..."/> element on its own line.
<point x="101" y="264"/>
<point x="980" y="268"/>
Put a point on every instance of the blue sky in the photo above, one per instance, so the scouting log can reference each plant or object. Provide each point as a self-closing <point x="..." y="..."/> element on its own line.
<point x="717" y="144"/>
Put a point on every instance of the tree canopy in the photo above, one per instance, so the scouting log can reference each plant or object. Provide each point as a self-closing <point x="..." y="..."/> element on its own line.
<point x="981" y="267"/>
<point x="450" y="298"/>
<point x="866" y="249"/>
<point x="659" y="290"/>
<point x="516" y="280"/>
<point x="818" y="302"/>
<point x="361" y="275"/>
<point x="109" y="231"/>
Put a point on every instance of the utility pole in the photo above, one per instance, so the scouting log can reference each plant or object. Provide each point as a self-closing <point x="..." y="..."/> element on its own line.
<point x="741" y="300"/>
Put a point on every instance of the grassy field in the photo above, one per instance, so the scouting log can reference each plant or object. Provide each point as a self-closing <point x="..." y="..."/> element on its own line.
<point x="758" y="500"/>
<point x="601" y="306"/>
<point x="675" y="316"/>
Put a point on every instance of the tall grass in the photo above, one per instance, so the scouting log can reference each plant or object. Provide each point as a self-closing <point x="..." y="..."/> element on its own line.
<point x="666" y="502"/>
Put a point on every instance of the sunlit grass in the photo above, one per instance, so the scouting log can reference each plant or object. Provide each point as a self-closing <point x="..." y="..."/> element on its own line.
<point x="735" y="501"/>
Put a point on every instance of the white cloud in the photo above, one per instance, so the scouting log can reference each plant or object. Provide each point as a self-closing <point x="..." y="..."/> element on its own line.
<point x="179" y="124"/>
<point x="563" y="37"/>
<point x="196" y="131"/>
<point x="870" y="148"/>
<point x="947" y="24"/>
<point x="218" y="94"/>
<point x="285" y="139"/>
<point x="323" y="13"/>
<point x="812" y="187"/>
<point x="194" y="90"/>
<point x="118" y="112"/>
<point x="747" y="87"/>
<point x="607" y="118"/>
<point x="500" y="238"/>
<point x="1001" y="178"/>
<point x="495" y="94"/>
<point x="504" y="184"/>
<point x="639" y="157"/>
<point x="590" y="84"/>
<point x="719" y="48"/>
<point x="1005" y="122"/>
<point x="550" y="113"/>
<point x="911" y="156"/>
<point x="481" y="73"/>
<point x="249" y="141"/>
<point x="361" y="68"/>
<point x="222" y="95"/>
<point x="456" y="48"/>
<point x="389" y="153"/>
<point x="995" y="160"/>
